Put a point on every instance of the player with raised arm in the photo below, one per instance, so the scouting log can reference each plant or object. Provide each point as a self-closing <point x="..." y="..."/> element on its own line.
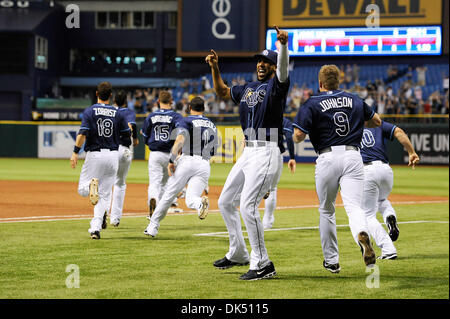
<point x="126" y="147"/>
<point x="197" y="140"/>
<point x="270" y="199"/>
<point x="378" y="181"/>
<point x="157" y="132"/>
<point x="101" y="128"/>
<point x="334" y="121"/>
<point x="261" y="106"/>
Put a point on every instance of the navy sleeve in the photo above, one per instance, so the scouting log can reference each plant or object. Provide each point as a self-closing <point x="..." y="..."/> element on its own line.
<point x="85" y="126"/>
<point x="236" y="93"/>
<point x="146" y="128"/>
<point x="368" y="112"/>
<point x="388" y="130"/>
<point x="182" y="127"/>
<point x="303" y="119"/>
<point x="123" y="126"/>
<point x="288" y="131"/>
<point x="279" y="87"/>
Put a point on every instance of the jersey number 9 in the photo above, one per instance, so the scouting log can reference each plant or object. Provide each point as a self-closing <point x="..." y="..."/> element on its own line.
<point x="341" y="121"/>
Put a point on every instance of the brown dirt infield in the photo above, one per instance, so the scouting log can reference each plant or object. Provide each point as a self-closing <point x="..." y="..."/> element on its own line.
<point x="28" y="200"/>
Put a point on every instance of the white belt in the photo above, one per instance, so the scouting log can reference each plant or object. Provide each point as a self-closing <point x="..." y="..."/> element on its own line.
<point x="374" y="163"/>
<point x="261" y="143"/>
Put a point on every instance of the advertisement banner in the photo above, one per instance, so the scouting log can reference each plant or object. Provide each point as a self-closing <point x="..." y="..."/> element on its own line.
<point x="432" y="145"/>
<point x="230" y="27"/>
<point x="57" y="141"/>
<point x="326" y="13"/>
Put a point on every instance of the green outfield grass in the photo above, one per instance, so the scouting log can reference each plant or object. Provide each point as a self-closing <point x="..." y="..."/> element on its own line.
<point x="178" y="264"/>
<point x="424" y="180"/>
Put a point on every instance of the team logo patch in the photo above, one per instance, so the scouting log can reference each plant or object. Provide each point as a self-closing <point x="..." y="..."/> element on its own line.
<point x="252" y="97"/>
<point x="265" y="52"/>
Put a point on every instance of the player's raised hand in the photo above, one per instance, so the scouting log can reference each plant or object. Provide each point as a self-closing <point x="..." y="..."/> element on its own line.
<point x="413" y="160"/>
<point x="292" y="164"/>
<point x="74" y="160"/>
<point x="282" y="35"/>
<point x="212" y="59"/>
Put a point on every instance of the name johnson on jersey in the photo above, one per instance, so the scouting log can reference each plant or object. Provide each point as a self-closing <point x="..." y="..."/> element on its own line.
<point x="336" y="102"/>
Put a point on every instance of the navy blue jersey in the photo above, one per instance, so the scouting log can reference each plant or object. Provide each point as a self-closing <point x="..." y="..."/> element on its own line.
<point x="130" y="117"/>
<point x="157" y="129"/>
<point x="333" y="118"/>
<point x="103" y="125"/>
<point x="261" y="106"/>
<point x="288" y="131"/>
<point x="201" y="136"/>
<point x="373" y="143"/>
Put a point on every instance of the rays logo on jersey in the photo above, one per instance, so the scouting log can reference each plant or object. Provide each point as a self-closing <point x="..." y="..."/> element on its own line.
<point x="367" y="139"/>
<point x="252" y="97"/>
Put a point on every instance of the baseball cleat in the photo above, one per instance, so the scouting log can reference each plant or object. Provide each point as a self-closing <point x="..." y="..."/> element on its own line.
<point x="203" y="210"/>
<point x="104" y="223"/>
<point x="151" y="230"/>
<point x="93" y="191"/>
<point x="224" y="263"/>
<point x="334" y="268"/>
<point x="389" y="256"/>
<point x="115" y="224"/>
<point x="366" y="248"/>
<point x="95" y="235"/>
<point x="151" y="207"/>
<point x="266" y="272"/>
<point x="174" y="208"/>
<point x="267" y="195"/>
<point x="391" y="223"/>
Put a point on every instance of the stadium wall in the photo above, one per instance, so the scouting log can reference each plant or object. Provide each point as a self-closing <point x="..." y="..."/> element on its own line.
<point x="56" y="140"/>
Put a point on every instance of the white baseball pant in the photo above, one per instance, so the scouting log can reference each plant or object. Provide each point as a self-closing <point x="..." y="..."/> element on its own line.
<point x="378" y="181"/>
<point x="270" y="203"/>
<point x="125" y="155"/>
<point x="248" y="181"/>
<point x="102" y="165"/>
<point x="157" y="175"/>
<point x="191" y="170"/>
<point x="339" y="168"/>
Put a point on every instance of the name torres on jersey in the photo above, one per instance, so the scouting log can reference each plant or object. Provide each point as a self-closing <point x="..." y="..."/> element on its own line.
<point x="336" y="102"/>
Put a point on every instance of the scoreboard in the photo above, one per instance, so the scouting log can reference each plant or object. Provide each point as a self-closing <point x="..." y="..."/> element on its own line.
<point x="408" y="40"/>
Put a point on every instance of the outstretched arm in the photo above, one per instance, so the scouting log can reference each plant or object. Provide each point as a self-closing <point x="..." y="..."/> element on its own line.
<point x="299" y="135"/>
<point x="78" y="144"/>
<point x="220" y="88"/>
<point x="283" y="58"/>
<point x="176" y="148"/>
<point x="401" y="136"/>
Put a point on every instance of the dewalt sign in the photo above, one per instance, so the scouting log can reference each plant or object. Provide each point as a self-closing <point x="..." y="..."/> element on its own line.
<point x="332" y="13"/>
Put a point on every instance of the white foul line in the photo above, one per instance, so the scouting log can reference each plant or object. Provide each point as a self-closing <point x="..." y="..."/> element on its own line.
<point x="28" y="219"/>
<point x="225" y="234"/>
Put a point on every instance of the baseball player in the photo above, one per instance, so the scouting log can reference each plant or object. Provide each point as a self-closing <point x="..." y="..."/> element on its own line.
<point x="378" y="181"/>
<point x="102" y="126"/>
<point x="261" y="105"/>
<point x="125" y="157"/>
<point x="157" y="132"/>
<point x="197" y="138"/>
<point x="271" y="198"/>
<point x="334" y="121"/>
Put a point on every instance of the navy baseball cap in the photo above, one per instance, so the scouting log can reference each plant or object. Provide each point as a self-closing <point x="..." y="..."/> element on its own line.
<point x="270" y="55"/>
